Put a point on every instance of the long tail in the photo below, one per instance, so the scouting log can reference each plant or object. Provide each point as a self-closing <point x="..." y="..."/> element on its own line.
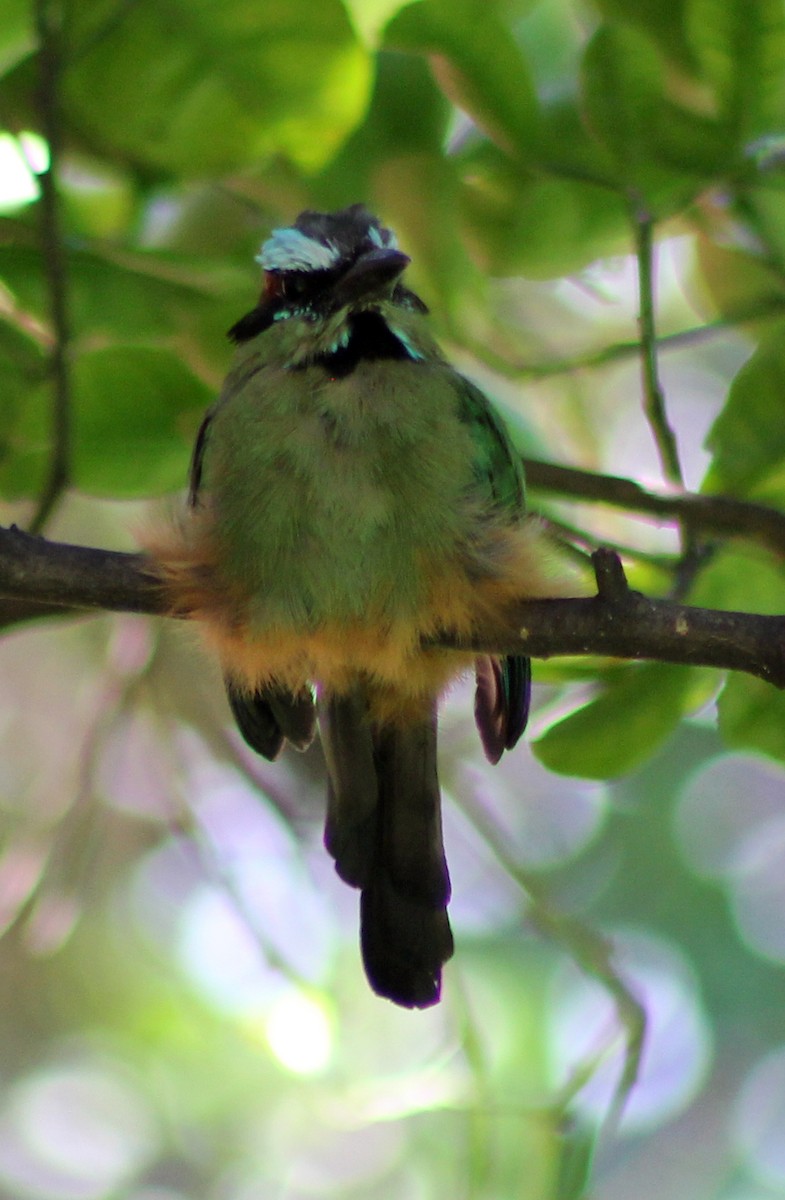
<point x="384" y="831"/>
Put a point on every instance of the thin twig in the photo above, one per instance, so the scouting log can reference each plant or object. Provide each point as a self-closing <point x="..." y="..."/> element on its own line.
<point x="513" y="368"/>
<point x="710" y="514"/>
<point x="692" y="552"/>
<point x="653" y="396"/>
<point x="580" y="545"/>
<point x="590" y="950"/>
<point x="47" y="21"/>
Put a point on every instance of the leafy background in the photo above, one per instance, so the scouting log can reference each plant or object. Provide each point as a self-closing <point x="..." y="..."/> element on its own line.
<point x="182" y="1010"/>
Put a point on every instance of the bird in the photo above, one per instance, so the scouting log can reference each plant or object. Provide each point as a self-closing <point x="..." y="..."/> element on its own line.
<point x="356" y="505"/>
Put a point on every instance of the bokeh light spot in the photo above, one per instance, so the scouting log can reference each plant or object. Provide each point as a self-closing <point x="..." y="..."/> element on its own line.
<point x="18" y="184"/>
<point x="760" y="1119"/>
<point x="299" y="1032"/>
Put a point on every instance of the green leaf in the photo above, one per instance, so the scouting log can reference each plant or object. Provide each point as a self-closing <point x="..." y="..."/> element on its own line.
<point x="740" y="46"/>
<point x="26" y="442"/>
<point x="748" y="437"/>
<point x="752" y="715"/>
<point x="541" y="227"/>
<point x="631" y="716"/>
<point x="570" y="151"/>
<point x="478" y="65"/>
<point x="622" y="90"/>
<point x="662" y="22"/>
<point x="136" y="411"/>
<point x="22" y="366"/>
<point x="404" y="84"/>
<point x="741" y="578"/>
<point x="122" y="294"/>
<point x="657" y="149"/>
<point x="198" y="87"/>
<point x="738" y="281"/>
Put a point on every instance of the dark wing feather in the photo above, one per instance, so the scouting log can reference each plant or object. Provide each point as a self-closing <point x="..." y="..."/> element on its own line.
<point x="269" y="717"/>
<point x="197" y="459"/>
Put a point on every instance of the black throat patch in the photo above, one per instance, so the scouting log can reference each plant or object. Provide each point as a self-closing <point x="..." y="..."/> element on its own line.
<point x="370" y="338"/>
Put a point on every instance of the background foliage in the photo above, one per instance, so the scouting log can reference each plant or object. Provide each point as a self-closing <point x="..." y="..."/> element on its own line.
<point x="182" y="1012"/>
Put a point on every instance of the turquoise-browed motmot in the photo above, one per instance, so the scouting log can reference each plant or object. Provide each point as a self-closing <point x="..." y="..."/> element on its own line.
<point x="353" y="499"/>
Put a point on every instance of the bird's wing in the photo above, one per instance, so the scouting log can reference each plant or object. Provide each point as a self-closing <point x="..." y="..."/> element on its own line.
<point x="266" y="717"/>
<point x="503" y="685"/>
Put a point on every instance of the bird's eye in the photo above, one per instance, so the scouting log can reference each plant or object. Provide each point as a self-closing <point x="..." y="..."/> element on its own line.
<point x="283" y="284"/>
<point x="297" y="283"/>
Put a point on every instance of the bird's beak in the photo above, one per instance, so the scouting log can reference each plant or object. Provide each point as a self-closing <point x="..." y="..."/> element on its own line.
<point x="374" y="272"/>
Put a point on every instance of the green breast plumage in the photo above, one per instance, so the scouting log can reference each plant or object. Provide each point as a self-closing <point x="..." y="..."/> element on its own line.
<point x="331" y="493"/>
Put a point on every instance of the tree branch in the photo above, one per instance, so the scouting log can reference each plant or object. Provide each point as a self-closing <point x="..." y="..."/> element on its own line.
<point x="618" y="622"/>
<point x="52" y="576"/>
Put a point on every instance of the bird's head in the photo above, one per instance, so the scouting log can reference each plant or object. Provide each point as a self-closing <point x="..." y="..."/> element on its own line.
<point x="328" y="272"/>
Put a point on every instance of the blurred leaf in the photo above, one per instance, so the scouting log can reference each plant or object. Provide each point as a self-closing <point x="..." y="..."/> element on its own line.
<point x="98" y="200"/>
<point x="17" y="38"/>
<point x="658" y="148"/>
<point x="629" y="718"/>
<point x="525" y="436"/>
<point x="27" y="442"/>
<point x="19" y="353"/>
<point x="771" y="488"/>
<point x="748" y="438"/>
<point x="663" y="22"/>
<point x="740" y="46"/>
<point x="22" y="365"/>
<point x="478" y="64"/>
<point x="570" y="150"/>
<point x="404" y="85"/>
<point x="370" y="15"/>
<point x="737" y="280"/>
<point x="622" y="91"/>
<point x="535" y="225"/>
<point x="135" y="414"/>
<point x="752" y="715"/>
<point x="418" y="195"/>
<point x="762" y="213"/>
<point x="693" y="144"/>
<point x="741" y="578"/>
<point x="136" y="411"/>
<point x="120" y="293"/>
<point x="575" y="1164"/>
<point x="199" y="87"/>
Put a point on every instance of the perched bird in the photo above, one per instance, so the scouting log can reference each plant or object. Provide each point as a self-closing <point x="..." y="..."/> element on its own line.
<point x="353" y="499"/>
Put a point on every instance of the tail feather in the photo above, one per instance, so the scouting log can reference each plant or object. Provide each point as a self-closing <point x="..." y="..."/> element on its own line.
<point x="412" y="812"/>
<point x="352" y="789"/>
<point x="404" y="945"/>
<point x="384" y="830"/>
